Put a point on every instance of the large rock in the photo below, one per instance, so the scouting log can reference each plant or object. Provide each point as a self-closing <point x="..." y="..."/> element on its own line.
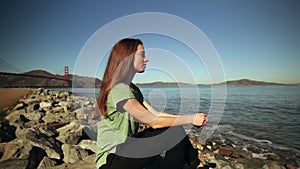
<point x="225" y="151"/>
<point x="46" y="162"/>
<point x="252" y="163"/>
<point x="273" y="165"/>
<point x="88" y="144"/>
<point x="73" y="153"/>
<point x="32" y="107"/>
<point x="86" y="163"/>
<point x="71" y="133"/>
<point x="30" y="100"/>
<point x="10" y="150"/>
<point x="14" y="117"/>
<point x="7" y="132"/>
<point x="49" y="144"/>
<point x="35" y="157"/>
<point x="45" y="104"/>
<point x="35" y="116"/>
<point x="238" y="152"/>
<point x="63" y="95"/>
<point x="58" y="110"/>
<point x="15" y="149"/>
<point x="52" y="117"/>
<point x="68" y="105"/>
<point x="221" y="162"/>
<point x="20" y="163"/>
<point x="20" y="106"/>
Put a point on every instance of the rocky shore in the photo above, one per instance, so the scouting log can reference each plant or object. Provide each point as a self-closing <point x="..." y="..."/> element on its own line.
<point x="225" y="155"/>
<point x="55" y="129"/>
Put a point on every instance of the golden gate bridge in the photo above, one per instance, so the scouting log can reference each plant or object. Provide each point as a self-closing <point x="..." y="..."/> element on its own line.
<point x="65" y="78"/>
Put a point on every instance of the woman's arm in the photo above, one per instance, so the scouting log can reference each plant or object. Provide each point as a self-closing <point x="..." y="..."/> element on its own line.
<point x="157" y="119"/>
<point x="155" y="112"/>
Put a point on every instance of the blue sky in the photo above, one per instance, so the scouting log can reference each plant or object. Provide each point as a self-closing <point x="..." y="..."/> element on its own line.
<point x="255" y="39"/>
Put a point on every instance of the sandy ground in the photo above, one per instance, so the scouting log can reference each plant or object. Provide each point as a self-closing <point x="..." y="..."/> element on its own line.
<point x="9" y="96"/>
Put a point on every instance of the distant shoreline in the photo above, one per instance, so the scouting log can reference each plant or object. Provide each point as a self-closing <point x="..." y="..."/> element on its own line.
<point x="240" y="82"/>
<point x="44" y="79"/>
<point x="154" y="84"/>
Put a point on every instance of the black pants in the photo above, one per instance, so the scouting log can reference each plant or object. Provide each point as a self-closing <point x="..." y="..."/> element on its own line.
<point x="139" y="153"/>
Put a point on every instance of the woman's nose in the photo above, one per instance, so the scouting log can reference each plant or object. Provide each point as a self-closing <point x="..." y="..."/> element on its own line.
<point x="146" y="59"/>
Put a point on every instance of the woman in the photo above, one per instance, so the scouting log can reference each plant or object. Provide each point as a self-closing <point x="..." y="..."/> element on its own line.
<point x="123" y="107"/>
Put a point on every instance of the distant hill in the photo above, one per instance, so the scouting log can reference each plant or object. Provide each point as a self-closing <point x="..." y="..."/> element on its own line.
<point x="40" y="73"/>
<point x="164" y="84"/>
<point x="240" y="82"/>
<point x="247" y="82"/>
<point x="41" y="78"/>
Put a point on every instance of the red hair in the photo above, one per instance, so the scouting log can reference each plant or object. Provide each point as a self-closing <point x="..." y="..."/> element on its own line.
<point x="119" y="66"/>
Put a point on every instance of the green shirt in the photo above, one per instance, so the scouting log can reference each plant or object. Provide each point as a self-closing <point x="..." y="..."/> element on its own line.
<point x="114" y="130"/>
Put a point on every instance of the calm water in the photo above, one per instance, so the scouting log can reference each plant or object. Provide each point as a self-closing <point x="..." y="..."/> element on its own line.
<point x="265" y="119"/>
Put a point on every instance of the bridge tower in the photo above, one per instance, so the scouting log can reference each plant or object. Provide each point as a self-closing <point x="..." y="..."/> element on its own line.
<point x="66" y="76"/>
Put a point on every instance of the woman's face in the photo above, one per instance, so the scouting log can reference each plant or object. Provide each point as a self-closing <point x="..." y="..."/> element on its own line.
<point x="140" y="59"/>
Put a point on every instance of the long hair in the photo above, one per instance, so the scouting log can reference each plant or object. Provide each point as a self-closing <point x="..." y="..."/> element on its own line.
<point x="119" y="66"/>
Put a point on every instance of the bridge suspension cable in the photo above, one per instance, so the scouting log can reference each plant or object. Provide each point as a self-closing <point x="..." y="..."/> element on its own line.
<point x="9" y="66"/>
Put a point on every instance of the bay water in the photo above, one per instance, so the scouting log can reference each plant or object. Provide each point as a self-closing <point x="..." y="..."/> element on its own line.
<point x="263" y="119"/>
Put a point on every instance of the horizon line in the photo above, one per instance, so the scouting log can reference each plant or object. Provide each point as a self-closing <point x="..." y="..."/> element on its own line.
<point x="161" y="81"/>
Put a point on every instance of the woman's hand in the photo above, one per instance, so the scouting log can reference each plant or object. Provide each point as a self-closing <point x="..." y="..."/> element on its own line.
<point x="200" y="119"/>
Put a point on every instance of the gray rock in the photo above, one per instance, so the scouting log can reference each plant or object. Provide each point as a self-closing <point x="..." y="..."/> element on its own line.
<point x="73" y="153"/>
<point x="70" y="133"/>
<point x="221" y="163"/>
<point x="63" y="95"/>
<point x="88" y="144"/>
<point x="238" y="152"/>
<point x="239" y="166"/>
<point x="30" y="100"/>
<point x="12" y="163"/>
<point x="51" y="118"/>
<point x="9" y="150"/>
<point x="39" y="91"/>
<point x="86" y="113"/>
<point x="290" y="166"/>
<point x="58" y="117"/>
<point x="35" y="157"/>
<point x="21" y="132"/>
<point x="86" y="163"/>
<point x="56" y="110"/>
<point x="252" y="163"/>
<point x="14" y="117"/>
<point x="15" y="149"/>
<point x="20" y="106"/>
<point x="65" y="103"/>
<point x="7" y="132"/>
<point x="34" y="116"/>
<point x="45" y="104"/>
<point x="49" y="144"/>
<point x="32" y="107"/>
<point x="46" y="162"/>
<point x="273" y="165"/>
<point x="44" y="98"/>
<point x="48" y="131"/>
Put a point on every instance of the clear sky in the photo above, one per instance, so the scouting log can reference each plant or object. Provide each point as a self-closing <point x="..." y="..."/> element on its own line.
<point x="255" y="39"/>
